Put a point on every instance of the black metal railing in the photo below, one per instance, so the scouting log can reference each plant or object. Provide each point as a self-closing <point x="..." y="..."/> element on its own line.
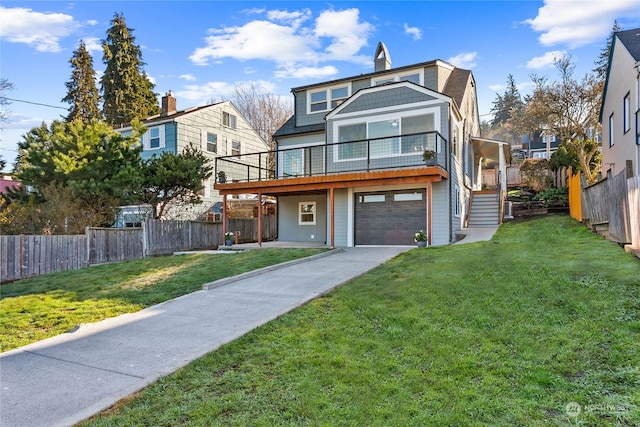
<point x="396" y="152"/>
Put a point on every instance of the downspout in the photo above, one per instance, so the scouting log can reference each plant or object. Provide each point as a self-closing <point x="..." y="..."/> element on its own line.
<point x="450" y="165"/>
<point x="637" y="138"/>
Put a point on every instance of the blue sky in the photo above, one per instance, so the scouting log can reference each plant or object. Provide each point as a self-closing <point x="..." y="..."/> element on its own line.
<point x="200" y="49"/>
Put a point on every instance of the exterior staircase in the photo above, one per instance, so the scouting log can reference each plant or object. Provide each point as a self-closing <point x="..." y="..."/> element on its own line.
<point x="485" y="210"/>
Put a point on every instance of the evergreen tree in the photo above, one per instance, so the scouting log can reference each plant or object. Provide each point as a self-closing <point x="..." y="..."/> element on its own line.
<point x="91" y="162"/>
<point x="126" y="89"/>
<point x="174" y="179"/>
<point x="505" y="105"/>
<point x="603" y="59"/>
<point x="82" y="92"/>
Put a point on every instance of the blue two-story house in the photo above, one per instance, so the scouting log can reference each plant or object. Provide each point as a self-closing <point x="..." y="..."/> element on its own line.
<point x="217" y="129"/>
<point x="350" y="166"/>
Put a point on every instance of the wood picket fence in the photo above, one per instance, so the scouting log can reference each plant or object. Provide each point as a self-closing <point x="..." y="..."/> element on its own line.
<point x="24" y="256"/>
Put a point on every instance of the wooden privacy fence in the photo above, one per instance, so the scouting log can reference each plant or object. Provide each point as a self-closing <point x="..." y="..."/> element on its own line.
<point x="610" y="206"/>
<point x="27" y="256"/>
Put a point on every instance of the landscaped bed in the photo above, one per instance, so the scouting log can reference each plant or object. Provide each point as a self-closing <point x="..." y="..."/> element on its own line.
<point x="538" y="327"/>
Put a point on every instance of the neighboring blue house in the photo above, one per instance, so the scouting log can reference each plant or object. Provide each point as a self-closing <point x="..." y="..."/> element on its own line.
<point x="349" y="167"/>
<point x="218" y="130"/>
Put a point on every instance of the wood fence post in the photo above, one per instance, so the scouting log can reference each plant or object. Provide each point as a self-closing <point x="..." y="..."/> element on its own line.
<point x="144" y="239"/>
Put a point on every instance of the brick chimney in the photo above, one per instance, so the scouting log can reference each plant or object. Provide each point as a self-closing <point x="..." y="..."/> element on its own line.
<point x="168" y="104"/>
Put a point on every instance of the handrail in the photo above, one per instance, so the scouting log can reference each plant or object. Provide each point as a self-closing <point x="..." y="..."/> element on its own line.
<point x="349" y="156"/>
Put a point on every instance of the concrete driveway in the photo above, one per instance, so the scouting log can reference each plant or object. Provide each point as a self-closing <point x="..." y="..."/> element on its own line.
<point x="65" y="379"/>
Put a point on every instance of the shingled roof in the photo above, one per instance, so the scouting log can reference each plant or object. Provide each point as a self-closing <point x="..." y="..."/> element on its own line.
<point x="631" y="40"/>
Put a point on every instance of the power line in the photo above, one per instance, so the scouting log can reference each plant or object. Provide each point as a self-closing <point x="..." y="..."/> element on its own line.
<point x="36" y="103"/>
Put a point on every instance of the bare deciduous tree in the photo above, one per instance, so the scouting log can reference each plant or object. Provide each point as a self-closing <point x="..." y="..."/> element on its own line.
<point x="266" y="112"/>
<point x="568" y="108"/>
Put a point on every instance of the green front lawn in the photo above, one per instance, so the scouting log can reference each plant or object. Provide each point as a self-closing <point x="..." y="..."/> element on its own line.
<point x="500" y="333"/>
<point x="45" y="306"/>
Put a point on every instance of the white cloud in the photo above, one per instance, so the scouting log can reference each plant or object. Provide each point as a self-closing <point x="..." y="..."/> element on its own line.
<point x="188" y="77"/>
<point x="415" y="32"/>
<point x="93" y="45"/>
<point x="292" y="40"/>
<point x="201" y="94"/>
<point x="217" y="91"/>
<point x="295" y="18"/>
<point x="307" y="72"/>
<point x="42" y="31"/>
<point x="576" y="23"/>
<point x="465" y="60"/>
<point x="496" y="88"/>
<point x="546" y="60"/>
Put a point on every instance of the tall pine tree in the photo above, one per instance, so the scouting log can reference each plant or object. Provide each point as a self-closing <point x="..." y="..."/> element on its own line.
<point x="603" y="59"/>
<point x="82" y="92"/>
<point x="504" y="106"/>
<point x="126" y="89"/>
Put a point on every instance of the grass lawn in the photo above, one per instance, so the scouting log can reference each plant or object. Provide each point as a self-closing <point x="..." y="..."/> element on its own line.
<point x="500" y="333"/>
<point x="45" y="306"/>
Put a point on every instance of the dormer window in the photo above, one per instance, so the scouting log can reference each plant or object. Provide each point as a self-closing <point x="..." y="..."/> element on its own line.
<point x="318" y="101"/>
<point x="326" y="99"/>
<point x="412" y="76"/>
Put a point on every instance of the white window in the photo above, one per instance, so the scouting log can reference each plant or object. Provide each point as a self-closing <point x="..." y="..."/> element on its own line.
<point x="626" y="113"/>
<point x="458" y="207"/>
<point x="153" y="138"/>
<point x="611" y="123"/>
<point x="318" y="101"/>
<point x="235" y="148"/>
<point x="412" y="76"/>
<point x="325" y="99"/>
<point x="212" y="142"/>
<point x="393" y="136"/>
<point x="338" y="95"/>
<point x="307" y="213"/>
<point x="352" y="150"/>
<point x="229" y="120"/>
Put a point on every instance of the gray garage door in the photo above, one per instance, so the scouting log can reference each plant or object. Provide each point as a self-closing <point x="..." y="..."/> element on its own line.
<point x="389" y="217"/>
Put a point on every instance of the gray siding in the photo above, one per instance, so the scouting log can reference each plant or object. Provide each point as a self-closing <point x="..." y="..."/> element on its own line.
<point x="431" y="78"/>
<point x="440" y="224"/>
<point x="302" y="118"/>
<point x="288" y="228"/>
<point x="303" y="139"/>
<point x="341" y="217"/>
<point x="397" y="96"/>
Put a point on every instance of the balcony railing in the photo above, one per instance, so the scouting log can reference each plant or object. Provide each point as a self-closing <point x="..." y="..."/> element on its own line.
<point x="404" y="151"/>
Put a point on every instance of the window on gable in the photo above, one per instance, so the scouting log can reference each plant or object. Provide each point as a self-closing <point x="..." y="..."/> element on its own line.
<point x="307" y="213"/>
<point x="229" y="120"/>
<point x="626" y="125"/>
<point x="318" y="101"/>
<point x="235" y="148"/>
<point x="212" y="142"/>
<point x="352" y="150"/>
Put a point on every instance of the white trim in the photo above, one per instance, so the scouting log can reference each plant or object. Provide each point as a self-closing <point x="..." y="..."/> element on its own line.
<point x="313" y="212"/>
<point x="327" y="90"/>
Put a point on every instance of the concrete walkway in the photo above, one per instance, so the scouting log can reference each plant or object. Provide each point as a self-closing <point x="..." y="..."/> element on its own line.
<point x="65" y="379"/>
